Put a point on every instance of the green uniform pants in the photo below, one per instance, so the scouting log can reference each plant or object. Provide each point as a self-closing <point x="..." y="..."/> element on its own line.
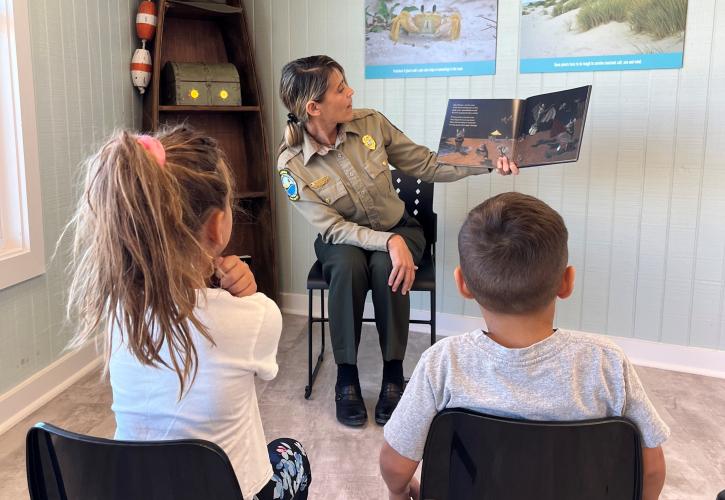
<point x="350" y="272"/>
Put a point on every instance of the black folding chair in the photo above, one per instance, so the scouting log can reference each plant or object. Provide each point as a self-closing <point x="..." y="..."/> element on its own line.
<point x="418" y="198"/>
<point x="470" y="455"/>
<point x="63" y="465"/>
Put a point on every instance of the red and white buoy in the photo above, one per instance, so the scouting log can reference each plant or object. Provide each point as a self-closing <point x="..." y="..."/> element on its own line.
<point x="141" y="68"/>
<point x="146" y="20"/>
<point x="141" y="65"/>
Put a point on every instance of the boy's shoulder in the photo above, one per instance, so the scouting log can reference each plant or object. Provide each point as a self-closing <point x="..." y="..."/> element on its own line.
<point x="594" y="341"/>
<point x="446" y="350"/>
<point x="570" y="343"/>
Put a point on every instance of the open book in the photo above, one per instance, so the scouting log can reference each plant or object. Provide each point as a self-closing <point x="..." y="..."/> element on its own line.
<point x="540" y="130"/>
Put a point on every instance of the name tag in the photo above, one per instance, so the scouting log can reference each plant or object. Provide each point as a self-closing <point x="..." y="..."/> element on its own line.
<point x="319" y="182"/>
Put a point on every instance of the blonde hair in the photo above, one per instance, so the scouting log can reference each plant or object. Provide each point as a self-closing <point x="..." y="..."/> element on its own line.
<point x="303" y="80"/>
<point x="137" y="259"/>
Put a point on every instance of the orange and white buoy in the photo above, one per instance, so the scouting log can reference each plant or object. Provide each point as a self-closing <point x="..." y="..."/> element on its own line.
<point x="141" y="61"/>
<point x="146" y="20"/>
<point x="141" y="68"/>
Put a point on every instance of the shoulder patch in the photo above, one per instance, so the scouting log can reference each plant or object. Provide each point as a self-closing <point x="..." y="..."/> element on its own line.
<point x="289" y="184"/>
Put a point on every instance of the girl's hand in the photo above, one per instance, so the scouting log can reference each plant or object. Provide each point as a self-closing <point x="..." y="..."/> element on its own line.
<point x="235" y="276"/>
<point x="403" y="273"/>
<point x="506" y="167"/>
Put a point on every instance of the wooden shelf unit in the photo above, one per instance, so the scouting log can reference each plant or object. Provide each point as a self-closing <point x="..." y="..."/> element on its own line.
<point x="186" y="33"/>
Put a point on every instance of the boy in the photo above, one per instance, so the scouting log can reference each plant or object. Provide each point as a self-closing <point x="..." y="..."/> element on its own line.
<point x="513" y="263"/>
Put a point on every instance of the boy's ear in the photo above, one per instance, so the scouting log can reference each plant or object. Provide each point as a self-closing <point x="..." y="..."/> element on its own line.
<point x="461" y="283"/>
<point x="312" y="108"/>
<point x="567" y="283"/>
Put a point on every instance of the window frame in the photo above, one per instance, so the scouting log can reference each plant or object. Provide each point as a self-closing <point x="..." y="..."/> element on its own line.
<point x="22" y="249"/>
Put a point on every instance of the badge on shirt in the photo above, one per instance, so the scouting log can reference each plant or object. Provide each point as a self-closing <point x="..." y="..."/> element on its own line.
<point x="369" y="142"/>
<point x="318" y="183"/>
<point x="289" y="185"/>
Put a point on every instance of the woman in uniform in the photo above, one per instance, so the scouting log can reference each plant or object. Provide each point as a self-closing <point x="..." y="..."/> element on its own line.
<point x="333" y="164"/>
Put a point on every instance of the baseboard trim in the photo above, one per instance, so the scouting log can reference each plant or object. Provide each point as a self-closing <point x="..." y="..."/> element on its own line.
<point x="34" y="392"/>
<point x="687" y="359"/>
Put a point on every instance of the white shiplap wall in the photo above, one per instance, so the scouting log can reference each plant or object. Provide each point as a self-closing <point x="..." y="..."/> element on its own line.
<point x="644" y="204"/>
<point x="80" y="55"/>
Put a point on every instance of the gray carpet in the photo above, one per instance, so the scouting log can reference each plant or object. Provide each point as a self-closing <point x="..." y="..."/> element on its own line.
<point x="345" y="461"/>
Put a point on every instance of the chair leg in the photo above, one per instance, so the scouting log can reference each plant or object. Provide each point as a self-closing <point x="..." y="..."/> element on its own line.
<point x="312" y="373"/>
<point x="308" y="389"/>
<point x="433" y="317"/>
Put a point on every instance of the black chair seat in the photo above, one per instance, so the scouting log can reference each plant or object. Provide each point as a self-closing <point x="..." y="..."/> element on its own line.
<point x="471" y="456"/>
<point x="315" y="280"/>
<point x="63" y="465"/>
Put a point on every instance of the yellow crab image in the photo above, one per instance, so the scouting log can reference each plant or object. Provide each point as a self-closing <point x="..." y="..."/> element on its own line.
<point x="427" y="23"/>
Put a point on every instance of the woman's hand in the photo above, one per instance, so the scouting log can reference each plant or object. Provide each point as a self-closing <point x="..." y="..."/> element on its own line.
<point x="235" y="276"/>
<point x="403" y="273"/>
<point x="506" y="167"/>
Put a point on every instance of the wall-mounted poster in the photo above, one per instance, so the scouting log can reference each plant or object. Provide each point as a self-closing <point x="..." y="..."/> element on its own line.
<point x="601" y="35"/>
<point x="407" y="39"/>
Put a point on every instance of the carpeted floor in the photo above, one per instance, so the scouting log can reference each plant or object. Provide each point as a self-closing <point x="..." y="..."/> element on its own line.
<point x="345" y="461"/>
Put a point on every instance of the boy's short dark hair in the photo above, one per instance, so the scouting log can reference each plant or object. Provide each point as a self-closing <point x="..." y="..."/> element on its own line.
<point x="513" y="252"/>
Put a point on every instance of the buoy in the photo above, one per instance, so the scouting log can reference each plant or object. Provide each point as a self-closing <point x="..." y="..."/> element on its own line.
<point x="141" y="68"/>
<point x="146" y="20"/>
<point x="141" y="64"/>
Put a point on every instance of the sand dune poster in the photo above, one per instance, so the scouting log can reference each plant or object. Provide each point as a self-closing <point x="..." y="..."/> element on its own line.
<point x="601" y="35"/>
<point x="409" y="39"/>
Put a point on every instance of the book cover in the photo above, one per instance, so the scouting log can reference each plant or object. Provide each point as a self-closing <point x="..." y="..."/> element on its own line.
<point x="540" y="130"/>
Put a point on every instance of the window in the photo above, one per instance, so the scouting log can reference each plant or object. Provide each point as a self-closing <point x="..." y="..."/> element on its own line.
<point x="21" y="231"/>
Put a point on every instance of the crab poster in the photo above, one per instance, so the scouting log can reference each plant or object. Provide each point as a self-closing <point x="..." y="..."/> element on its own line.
<point x="601" y="35"/>
<point x="406" y="39"/>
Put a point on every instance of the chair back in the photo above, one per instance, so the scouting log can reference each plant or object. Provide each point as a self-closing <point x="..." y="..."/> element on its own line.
<point x="469" y="455"/>
<point x="62" y="465"/>
<point x="418" y="198"/>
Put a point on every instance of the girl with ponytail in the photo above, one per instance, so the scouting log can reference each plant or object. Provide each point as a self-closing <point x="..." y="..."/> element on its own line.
<point x="149" y="232"/>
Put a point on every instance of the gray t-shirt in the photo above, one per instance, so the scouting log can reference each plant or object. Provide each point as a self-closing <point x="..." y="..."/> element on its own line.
<point x="567" y="376"/>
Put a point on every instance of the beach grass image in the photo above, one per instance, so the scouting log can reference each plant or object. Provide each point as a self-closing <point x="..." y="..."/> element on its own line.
<point x="566" y="28"/>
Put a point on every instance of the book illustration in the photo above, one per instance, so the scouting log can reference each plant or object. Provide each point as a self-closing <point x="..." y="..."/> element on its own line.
<point x="540" y="130"/>
<point x="475" y="132"/>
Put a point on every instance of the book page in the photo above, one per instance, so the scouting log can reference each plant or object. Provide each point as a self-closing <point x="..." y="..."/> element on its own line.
<point x="552" y="127"/>
<point x="476" y="132"/>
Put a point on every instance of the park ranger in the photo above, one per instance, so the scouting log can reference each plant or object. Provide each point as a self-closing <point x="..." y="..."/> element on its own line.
<point x="334" y="165"/>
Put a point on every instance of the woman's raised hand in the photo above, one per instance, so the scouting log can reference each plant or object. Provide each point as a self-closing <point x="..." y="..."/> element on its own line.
<point x="506" y="167"/>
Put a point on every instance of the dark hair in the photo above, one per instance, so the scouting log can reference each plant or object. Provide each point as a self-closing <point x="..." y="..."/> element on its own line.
<point x="513" y="251"/>
<point x="303" y="80"/>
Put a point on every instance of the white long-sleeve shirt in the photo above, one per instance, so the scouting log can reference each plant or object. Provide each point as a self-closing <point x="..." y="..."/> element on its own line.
<point x="221" y="405"/>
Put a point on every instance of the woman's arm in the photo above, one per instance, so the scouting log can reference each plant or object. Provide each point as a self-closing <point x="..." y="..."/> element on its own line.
<point x="422" y="163"/>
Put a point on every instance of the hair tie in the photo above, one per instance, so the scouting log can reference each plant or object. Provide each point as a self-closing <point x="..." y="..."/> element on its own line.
<point x="292" y="118"/>
<point x="154" y="148"/>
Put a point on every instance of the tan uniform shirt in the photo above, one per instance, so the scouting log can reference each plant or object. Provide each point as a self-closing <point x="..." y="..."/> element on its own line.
<point x="346" y="192"/>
